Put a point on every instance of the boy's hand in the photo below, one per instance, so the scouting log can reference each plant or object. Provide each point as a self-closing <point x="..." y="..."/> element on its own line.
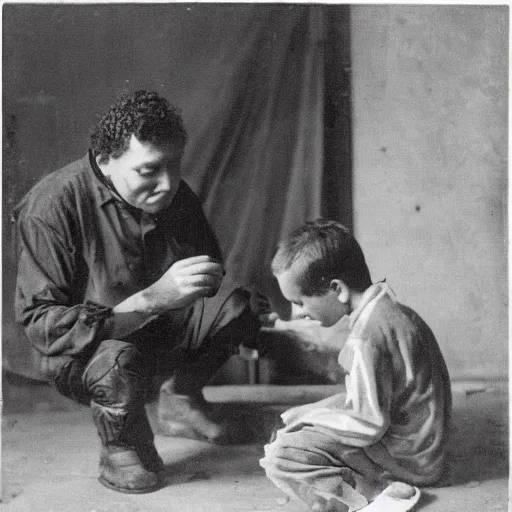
<point x="308" y="330"/>
<point x="268" y="319"/>
<point x="313" y="336"/>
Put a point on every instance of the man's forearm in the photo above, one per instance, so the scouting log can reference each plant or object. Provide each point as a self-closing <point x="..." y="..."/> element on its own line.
<point x="120" y="325"/>
<point x="139" y="302"/>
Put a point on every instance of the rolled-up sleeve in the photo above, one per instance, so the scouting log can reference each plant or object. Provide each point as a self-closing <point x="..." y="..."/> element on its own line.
<point x="47" y="302"/>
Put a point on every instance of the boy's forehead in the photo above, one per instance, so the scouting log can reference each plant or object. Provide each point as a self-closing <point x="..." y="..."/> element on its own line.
<point x="287" y="285"/>
<point x="300" y="266"/>
<point x="291" y="276"/>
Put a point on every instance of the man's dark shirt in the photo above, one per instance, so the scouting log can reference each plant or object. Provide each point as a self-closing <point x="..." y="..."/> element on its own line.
<point x="83" y="250"/>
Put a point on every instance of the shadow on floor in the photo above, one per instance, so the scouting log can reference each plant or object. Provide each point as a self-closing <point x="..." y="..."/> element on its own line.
<point x="245" y="423"/>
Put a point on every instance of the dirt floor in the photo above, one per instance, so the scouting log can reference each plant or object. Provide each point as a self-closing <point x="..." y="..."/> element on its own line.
<point x="50" y="455"/>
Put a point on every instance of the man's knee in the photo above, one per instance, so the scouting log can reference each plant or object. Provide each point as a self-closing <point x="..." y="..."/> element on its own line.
<point x="235" y="305"/>
<point x="240" y="319"/>
<point x="116" y="375"/>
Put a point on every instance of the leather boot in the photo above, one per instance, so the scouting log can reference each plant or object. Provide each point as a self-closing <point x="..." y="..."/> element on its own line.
<point x="182" y="409"/>
<point x="121" y="467"/>
<point x="186" y="415"/>
<point x="140" y="435"/>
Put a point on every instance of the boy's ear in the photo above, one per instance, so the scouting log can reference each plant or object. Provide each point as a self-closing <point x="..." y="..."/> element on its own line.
<point x="341" y="289"/>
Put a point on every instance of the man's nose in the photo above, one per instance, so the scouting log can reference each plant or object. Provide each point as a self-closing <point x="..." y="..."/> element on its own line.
<point x="164" y="182"/>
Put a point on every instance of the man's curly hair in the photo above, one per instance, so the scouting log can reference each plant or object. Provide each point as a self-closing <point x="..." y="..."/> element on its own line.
<point x="144" y="114"/>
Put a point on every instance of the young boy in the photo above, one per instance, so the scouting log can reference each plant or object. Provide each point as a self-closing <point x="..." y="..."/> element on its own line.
<point x="368" y="449"/>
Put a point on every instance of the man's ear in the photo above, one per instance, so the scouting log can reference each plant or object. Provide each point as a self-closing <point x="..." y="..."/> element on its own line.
<point x="341" y="289"/>
<point x="101" y="162"/>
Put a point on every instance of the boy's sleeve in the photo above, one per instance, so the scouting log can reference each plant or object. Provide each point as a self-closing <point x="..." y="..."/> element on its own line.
<point x="364" y="416"/>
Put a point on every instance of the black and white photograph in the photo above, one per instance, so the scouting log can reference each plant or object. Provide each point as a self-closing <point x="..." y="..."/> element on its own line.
<point x="255" y="257"/>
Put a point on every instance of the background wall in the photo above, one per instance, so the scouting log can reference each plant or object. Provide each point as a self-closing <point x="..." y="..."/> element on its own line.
<point x="430" y="169"/>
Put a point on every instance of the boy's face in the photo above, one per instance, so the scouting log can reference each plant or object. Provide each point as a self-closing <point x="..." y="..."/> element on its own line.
<point x="327" y="309"/>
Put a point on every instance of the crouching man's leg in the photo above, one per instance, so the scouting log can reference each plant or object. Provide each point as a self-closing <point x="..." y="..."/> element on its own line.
<point x="217" y="328"/>
<point x="114" y="383"/>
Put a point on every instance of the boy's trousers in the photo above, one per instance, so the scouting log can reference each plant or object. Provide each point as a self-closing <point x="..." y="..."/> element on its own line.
<point x="311" y="462"/>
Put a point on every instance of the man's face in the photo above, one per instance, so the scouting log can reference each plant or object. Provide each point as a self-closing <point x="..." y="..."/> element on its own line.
<point x="327" y="308"/>
<point x="146" y="175"/>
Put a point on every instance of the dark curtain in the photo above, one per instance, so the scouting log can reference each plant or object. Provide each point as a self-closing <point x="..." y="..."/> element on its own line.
<point x="256" y="158"/>
<point x="248" y="78"/>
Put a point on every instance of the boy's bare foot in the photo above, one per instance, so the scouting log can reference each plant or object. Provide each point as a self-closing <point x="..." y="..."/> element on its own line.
<point x="333" y="505"/>
<point x="400" y="490"/>
<point x="396" y="497"/>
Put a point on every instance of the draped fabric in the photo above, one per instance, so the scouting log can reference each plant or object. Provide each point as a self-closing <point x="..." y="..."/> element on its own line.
<point x="249" y="79"/>
<point x="257" y="162"/>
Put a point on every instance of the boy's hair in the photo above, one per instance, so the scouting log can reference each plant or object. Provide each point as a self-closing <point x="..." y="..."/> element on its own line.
<point x="324" y="250"/>
<point x="144" y="114"/>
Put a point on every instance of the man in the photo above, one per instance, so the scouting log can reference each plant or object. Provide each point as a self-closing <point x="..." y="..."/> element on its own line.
<point x="120" y="286"/>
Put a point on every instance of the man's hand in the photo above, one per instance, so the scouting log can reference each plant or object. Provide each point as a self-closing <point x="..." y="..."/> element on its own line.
<point x="185" y="282"/>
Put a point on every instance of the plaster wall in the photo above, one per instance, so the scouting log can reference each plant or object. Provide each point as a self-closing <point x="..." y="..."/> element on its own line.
<point x="430" y="169"/>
